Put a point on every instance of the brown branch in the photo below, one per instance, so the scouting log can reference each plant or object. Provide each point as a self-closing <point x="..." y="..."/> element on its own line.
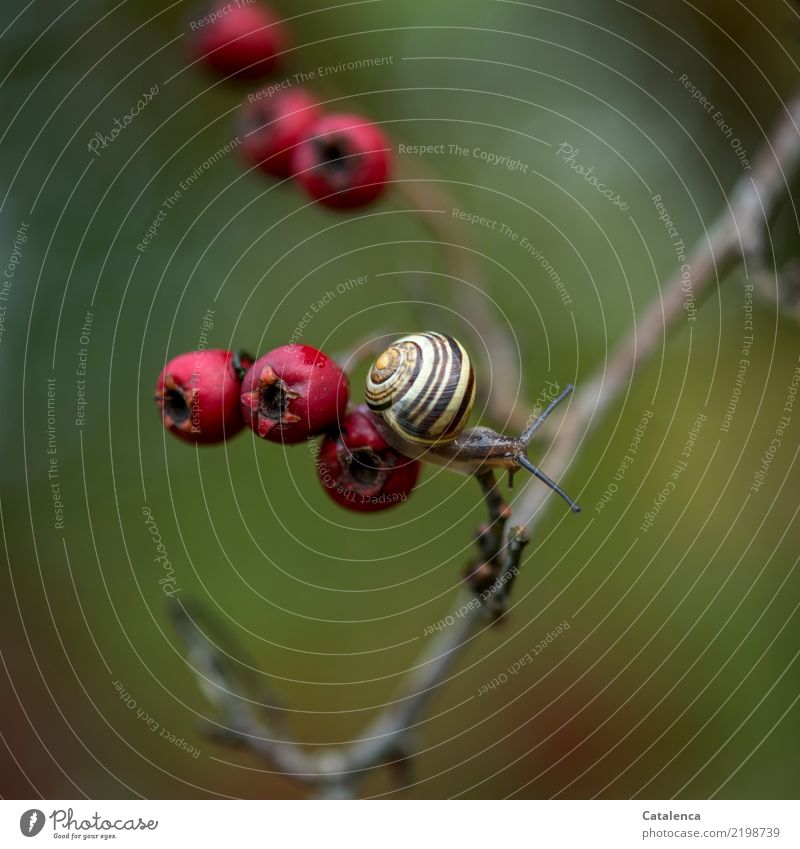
<point x="388" y="739"/>
<point x="225" y="684"/>
<point x="335" y="772"/>
<point x="753" y="203"/>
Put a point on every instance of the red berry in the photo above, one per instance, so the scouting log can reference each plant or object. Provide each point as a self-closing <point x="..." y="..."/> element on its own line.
<point x="344" y="162"/>
<point x="198" y="395"/>
<point x="360" y="470"/>
<point x="293" y="393"/>
<point x="272" y="128"/>
<point x="237" y="38"/>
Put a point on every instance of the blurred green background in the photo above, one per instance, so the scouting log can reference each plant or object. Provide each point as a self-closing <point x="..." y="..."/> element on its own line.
<point x="678" y="674"/>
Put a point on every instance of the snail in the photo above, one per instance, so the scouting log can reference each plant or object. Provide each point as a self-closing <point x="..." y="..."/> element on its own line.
<point x="421" y="390"/>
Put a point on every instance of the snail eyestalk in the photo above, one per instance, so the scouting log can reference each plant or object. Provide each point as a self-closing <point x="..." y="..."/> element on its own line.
<point x="526" y="464"/>
<point x="526" y="437"/>
<point x="529" y="431"/>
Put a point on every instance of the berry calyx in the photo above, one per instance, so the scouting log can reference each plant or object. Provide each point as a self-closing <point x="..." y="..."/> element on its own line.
<point x="198" y="395"/>
<point x="272" y="127"/>
<point x="360" y="471"/>
<point x="293" y="393"/>
<point x="344" y="162"/>
<point x="236" y="38"/>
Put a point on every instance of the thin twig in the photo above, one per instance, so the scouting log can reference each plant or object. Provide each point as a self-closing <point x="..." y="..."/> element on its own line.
<point x="217" y="676"/>
<point x="336" y="772"/>
<point x="752" y="205"/>
<point x="491" y="535"/>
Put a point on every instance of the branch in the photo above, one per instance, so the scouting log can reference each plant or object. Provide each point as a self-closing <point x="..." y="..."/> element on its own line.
<point x="753" y="203"/>
<point x="220" y="681"/>
<point x="335" y="771"/>
<point x="390" y="735"/>
<point x="388" y="739"/>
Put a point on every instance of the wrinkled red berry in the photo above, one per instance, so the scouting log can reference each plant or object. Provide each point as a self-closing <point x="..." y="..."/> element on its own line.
<point x="293" y="393"/>
<point x="344" y="162"/>
<point x="272" y="127"/>
<point x="360" y="470"/>
<point x="198" y="395"/>
<point x="236" y="38"/>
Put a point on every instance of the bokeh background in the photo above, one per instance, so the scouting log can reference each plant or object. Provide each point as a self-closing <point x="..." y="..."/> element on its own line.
<point x="678" y="675"/>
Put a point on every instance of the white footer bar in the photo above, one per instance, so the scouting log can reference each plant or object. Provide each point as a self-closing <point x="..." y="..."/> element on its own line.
<point x="402" y="824"/>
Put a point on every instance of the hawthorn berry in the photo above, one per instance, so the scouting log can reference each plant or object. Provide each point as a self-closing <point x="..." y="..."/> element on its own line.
<point x="272" y="128"/>
<point x="344" y="162"/>
<point x="360" y="470"/>
<point x="198" y="395"/>
<point x="293" y="393"/>
<point x="237" y="38"/>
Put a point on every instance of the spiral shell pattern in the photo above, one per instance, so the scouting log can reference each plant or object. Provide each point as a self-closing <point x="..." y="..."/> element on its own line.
<point x="423" y="386"/>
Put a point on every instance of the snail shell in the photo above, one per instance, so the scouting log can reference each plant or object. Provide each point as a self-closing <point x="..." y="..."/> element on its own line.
<point x="423" y="386"/>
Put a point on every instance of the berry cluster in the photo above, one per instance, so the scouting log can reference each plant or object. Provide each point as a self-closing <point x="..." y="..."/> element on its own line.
<point x="290" y="395"/>
<point x="294" y="393"/>
<point x="340" y="160"/>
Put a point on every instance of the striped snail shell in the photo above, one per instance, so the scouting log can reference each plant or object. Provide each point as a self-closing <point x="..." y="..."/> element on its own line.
<point x="423" y="387"/>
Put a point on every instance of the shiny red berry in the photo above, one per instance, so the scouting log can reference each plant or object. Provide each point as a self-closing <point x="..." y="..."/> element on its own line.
<point x="236" y="38"/>
<point x="272" y="127"/>
<point x="360" y="470"/>
<point x="344" y="162"/>
<point x="198" y="395"/>
<point x="293" y="393"/>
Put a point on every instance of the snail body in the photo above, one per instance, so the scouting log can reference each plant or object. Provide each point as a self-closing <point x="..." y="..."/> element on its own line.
<point x="421" y="390"/>
<point x="474" y="450"/>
